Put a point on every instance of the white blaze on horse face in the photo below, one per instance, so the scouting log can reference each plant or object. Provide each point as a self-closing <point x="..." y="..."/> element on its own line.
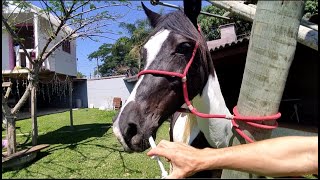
<point x="153" y="47"/>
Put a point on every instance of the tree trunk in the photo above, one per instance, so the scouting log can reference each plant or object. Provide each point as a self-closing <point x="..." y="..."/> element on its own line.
<point x="307" y="35"/>
<point x="70" y="104"/>
<point x="10" y="124"/>
<point x="271" y="50"/>
<point x="34" y="115"/>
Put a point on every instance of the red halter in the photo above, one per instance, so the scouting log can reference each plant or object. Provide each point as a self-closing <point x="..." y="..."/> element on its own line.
<point x="247" y="119"/>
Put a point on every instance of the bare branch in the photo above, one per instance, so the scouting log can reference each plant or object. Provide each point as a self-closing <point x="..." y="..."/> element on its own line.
<point x="96" y="9"/>
<point x="73" y="4"/>
<point x="82" y="5"/>
<point x="12" y="33"/>
<point x="49" y="18"/>
<point x="90" y="21"/>
<point x="62" y="23"/>
<point x="47" y="5"/>
<point x="23" y="99"/>
<point x="13" y="11"/>
<point x="63" y="8"/>
<point x="94" y="35"/>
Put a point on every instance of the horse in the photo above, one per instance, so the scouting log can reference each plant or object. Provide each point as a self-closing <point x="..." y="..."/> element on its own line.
<point x="174" y="41"/>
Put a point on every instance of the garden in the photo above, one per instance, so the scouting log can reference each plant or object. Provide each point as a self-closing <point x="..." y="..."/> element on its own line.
<point x="89" y="150"/>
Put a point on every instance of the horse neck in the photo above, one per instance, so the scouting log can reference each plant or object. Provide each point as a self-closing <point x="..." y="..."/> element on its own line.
<point x="216" y="130"/>
<point x="211" y="100"/>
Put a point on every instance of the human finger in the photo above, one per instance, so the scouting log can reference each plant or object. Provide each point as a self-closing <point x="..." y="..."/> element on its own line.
<point x="159" y="151"/>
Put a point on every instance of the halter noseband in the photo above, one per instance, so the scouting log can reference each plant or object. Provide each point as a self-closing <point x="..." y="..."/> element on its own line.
<point x="247" y="119"/>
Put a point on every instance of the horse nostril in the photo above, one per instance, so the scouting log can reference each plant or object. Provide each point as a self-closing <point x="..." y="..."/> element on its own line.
<point x="132" y="130"/>
<point x="136" y="140"/>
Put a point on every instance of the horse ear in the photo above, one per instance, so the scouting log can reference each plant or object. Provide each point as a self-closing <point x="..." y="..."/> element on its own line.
<point x="192" y="10"/>
<point x="152" y="16"/>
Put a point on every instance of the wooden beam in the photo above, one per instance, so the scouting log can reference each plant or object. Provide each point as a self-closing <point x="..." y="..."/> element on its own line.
<point x="306" y="35"/>
<point x="34" y="115"/>
<point x="25" y="152"/>
<point x="6" y="84"/>
<point x="70" y="103"/>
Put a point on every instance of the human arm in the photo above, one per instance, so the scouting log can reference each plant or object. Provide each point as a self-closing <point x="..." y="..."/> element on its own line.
<point x="282" y="156"/>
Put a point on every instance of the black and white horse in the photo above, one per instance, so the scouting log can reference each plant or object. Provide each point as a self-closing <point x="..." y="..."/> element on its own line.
<point x="156" y="97"/>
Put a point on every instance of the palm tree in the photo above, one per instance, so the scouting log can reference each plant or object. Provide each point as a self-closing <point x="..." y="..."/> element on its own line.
<point x="271" y="50"/>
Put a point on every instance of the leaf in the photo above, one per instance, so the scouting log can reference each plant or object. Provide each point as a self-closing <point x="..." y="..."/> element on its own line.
<point x="92" y="6"/>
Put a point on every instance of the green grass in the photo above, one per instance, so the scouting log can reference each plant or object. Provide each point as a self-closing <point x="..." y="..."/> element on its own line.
<point x="90" y="151"/>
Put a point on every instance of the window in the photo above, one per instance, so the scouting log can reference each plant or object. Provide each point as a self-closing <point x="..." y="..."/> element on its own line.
<point x="66" y="46"/>
<point x="26" y="35"/>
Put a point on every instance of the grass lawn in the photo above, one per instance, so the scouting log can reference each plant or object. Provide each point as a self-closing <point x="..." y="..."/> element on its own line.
<point x="90" y="151"/>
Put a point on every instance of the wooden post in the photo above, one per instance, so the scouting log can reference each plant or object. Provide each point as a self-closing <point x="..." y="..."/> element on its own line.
<point x="271" y="50"/>
<point x="34" y="115"/>
<point x="70" y="103"/>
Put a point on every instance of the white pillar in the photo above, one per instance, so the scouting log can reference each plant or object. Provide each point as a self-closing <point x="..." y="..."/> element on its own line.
<point x="36" y="34"/>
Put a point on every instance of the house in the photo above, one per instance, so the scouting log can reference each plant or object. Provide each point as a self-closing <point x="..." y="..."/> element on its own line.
<point x="32" y="26"/>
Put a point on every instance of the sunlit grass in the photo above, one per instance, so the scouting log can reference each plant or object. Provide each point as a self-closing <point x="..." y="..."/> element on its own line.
<point x="90" y="151"/>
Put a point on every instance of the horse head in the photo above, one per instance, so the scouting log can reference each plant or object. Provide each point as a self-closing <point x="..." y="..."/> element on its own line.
<point x="155" y="97"/>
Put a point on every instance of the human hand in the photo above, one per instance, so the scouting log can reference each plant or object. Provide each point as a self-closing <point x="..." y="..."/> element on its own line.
<point x="186" y="160"/>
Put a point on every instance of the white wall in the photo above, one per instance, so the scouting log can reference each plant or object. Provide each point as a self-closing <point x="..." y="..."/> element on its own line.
<point x="66" y="63"/>
<point x="102" y="91"/>
<point x="5" y="50"/>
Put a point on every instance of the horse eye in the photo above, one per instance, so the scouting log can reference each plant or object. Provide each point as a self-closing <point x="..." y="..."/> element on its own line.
<point x="184" y="48"/>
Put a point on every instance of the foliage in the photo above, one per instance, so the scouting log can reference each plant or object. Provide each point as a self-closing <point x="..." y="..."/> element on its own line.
<point x="124" y="53"/>
<point x="210" y="25"/>
<point x="80" y="75"/>
<point x="91" y="151"/>
<point x="311" y="8"/>
<point x="72" y="19"/>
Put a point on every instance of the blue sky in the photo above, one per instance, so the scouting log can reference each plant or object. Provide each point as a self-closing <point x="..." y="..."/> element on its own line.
<point x="87" y="46"/>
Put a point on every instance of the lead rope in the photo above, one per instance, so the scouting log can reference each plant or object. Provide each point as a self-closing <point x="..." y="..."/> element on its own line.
<point x="247" y="119"/>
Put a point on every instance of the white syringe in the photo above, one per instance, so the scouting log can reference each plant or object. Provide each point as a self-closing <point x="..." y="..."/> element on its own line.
<point x="164" y="173"/>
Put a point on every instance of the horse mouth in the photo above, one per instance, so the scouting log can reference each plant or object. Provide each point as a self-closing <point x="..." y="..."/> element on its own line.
<point x="139" y="143"/>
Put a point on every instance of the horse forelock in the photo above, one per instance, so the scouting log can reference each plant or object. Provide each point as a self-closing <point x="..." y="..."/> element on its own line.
<point x="177" y="22"/>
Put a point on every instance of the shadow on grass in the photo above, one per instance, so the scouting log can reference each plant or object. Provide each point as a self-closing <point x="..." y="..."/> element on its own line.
<point x="69" y="138"/>
<point x="64" y="137"/>
<point x="69" y="135"/>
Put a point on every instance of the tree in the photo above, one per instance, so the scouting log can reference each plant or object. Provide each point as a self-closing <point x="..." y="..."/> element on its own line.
<point x="80" y="75"/>
<point x="270" y="53"/>
<point x="210" y="25"/>
<point x="75" y="14"/>
<point x="124" y="53"/>
<point x="310" y="8"/>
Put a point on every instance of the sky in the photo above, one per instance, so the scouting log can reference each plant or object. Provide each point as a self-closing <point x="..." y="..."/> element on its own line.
<point x="87" y="46"/>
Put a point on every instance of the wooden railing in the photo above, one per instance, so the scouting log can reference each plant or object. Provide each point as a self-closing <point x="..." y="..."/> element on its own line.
<point x="23" y="61"/>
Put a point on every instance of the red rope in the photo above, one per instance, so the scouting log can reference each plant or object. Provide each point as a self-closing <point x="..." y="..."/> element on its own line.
<point x="247" y="119"/>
